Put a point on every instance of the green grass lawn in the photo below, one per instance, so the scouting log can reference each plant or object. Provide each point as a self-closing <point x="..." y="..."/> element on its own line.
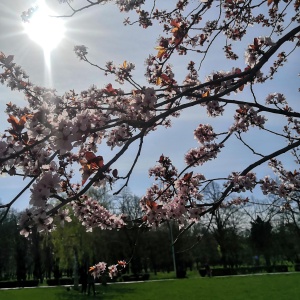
<point x="264" y="287"/>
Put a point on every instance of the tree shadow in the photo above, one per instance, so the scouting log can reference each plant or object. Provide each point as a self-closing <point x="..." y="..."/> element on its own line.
<point x="108" y="292"/>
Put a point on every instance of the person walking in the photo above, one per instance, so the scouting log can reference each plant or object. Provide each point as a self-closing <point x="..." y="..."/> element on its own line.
<point x="84" y="280"/>
<point x="207" y="270"/>
<point x="91" y="283"/>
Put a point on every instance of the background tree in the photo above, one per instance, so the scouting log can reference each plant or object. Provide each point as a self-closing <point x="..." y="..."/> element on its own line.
<point x="129" y="204"/>
<point x="226" y="223"/>
<point x="7" y="245"/>
<point x="261" y="237"/>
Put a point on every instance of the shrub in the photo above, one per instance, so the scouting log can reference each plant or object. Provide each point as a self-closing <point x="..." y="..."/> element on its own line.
<point x="247" y="270"/>
<point x="136" y="277"/>
<point x="202" y="272"/>
<point x="15" y="284"/>
<point x="62" y="281"/>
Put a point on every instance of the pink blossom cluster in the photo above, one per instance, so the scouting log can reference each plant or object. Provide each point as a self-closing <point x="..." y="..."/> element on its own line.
<point x="174" y="197"/>
<point x="165" y="170"/>
<point x="91" y="214"/>
<point x="117" y="136"/>
<point x="241" y="183"/>
<point x="214" y="108"/>
<point x="143" y="104"/>
<point x="124" y="72"/>
<point x="221" y="82"/>
<point x="276" y="98"/>
<point x="46" y="184"/>
<point x="121" y="72"/>
<point x="293" y="177"/>
<point x="255" y="50"/>
<point x="101" y="268"/>
<point x="235" y="201"/>
<point x="199" y="156"/>
<point x="98" y="269"/>
<point x="189" y="185"/>
<point x="288" y="184"/>
<point x="246" y="116"/>
<point x="182" y="207"/>
<point x="127" y="5"/>
<point x="14" y="76"/>
<point x="192" y="77"/>
<point x="80" y="51"/>
<point x="158" y="74"/>
<point x="38" y="217"/>
<point x="204" y="133"/>
<point x="269" y="186"/>
<point x="63" y="216"/>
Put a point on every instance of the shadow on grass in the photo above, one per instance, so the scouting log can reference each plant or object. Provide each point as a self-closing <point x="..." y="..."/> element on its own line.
<point x="105" y="293"/>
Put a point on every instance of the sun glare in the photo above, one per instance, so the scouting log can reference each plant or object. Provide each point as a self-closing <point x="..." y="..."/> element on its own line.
<point x="45" y="30"/>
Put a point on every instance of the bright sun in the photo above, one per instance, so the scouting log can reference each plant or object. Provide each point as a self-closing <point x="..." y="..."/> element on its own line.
<point x="45" y="30"/>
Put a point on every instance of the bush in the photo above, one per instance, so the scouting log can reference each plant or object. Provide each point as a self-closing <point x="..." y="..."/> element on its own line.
<point x="281" y="268"/>
<point x="181" y="274"/>
<point x="146" y="276"/>
<point x="8" y="284"/>
<point x="136" y="277"/>
<point x="247" y="270"/>
<point x="15" y="284"/>
<point x="223" y="272"/>
<point x="62" y="281"/>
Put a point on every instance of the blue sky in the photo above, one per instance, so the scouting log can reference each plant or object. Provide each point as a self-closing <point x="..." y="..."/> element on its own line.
<point x="101" y="30"/>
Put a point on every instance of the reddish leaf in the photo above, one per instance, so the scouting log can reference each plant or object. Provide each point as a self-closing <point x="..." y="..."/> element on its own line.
<point x="110" y="90"/>
<point x="242" y="111"/>
<point x="22" y="120"/>
<point x="18" y="125"/>
<point x="151" y="204"/>
<point x="90" y="165"/>
<point x="92" y="159"/>
<point x="175" y="23"/>
<point x="187" y="176"/>
<point x="121" y="263"/>
<point x="89" y="155"/>
<point x="165" y="77"/>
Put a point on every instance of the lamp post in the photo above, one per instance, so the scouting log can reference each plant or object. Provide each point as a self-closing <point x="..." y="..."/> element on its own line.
<point x="172" y="247"/>
<point x="75" y="265"/>
<point x="75" y="269"/>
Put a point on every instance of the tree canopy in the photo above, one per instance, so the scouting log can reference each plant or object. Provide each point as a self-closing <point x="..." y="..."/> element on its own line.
<point x="55" y="137"/>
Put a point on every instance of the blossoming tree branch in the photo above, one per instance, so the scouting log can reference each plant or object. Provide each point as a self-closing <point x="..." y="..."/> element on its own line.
<point x="54" y="137"/>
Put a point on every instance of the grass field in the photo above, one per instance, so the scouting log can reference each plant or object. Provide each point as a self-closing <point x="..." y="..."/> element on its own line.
<point x="263" y="287"/>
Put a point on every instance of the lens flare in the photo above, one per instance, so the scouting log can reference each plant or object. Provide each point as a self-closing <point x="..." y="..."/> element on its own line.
<point x="44" y="29"/>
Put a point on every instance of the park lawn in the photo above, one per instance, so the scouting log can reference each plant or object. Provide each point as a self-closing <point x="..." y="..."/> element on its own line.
<point x="263" y="287"/>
